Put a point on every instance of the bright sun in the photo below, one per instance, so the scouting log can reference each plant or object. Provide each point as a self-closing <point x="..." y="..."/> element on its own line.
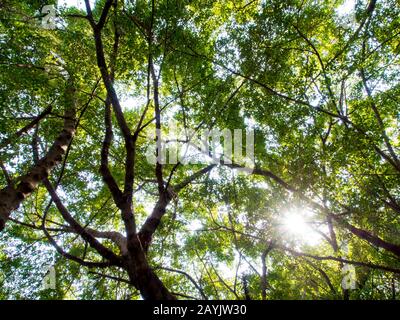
<point x="296" y="222"/>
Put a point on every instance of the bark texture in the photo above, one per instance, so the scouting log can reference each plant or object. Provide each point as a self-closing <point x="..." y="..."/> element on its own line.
<point x="12" y="196"/>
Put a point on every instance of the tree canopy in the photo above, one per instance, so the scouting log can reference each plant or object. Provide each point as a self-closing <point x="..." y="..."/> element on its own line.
<point x="89" y="91"/>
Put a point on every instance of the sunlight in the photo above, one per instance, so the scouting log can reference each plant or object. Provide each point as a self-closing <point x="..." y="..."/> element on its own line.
<point x="194" y="225"/>
<point x="346" y="8"/>
<point x="296" y="223"/>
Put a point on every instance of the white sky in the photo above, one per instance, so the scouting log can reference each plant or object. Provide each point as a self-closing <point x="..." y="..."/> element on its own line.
<point x="80" y="4"/>
<point x="346" y="7"/>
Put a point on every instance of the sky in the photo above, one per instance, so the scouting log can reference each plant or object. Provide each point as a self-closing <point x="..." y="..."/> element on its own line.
<point x="346" y="7"/>
<point x="74" y="3"/>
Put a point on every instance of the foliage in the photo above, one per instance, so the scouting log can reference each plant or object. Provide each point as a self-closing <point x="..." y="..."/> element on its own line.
<point x="320" y="90"/>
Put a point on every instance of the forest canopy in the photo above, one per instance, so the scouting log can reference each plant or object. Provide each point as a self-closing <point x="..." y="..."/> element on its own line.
<point x="109" y="190"/>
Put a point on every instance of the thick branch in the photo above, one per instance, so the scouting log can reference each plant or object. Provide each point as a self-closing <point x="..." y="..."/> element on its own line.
<point x="11" y="197"/>
<point x="125" y="205"/>
<point x="153" y="220"/>
<point x="102" y="250"/>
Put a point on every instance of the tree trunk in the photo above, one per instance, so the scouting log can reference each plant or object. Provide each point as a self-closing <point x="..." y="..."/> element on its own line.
<point x="143" y="277"/>
<point x="12" y="196"/>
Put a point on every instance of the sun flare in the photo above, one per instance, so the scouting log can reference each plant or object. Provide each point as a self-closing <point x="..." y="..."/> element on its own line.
<point x="296" y="222"/>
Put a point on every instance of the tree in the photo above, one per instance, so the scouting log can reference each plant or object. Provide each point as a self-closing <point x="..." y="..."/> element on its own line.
<point x="87" y="105"/>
